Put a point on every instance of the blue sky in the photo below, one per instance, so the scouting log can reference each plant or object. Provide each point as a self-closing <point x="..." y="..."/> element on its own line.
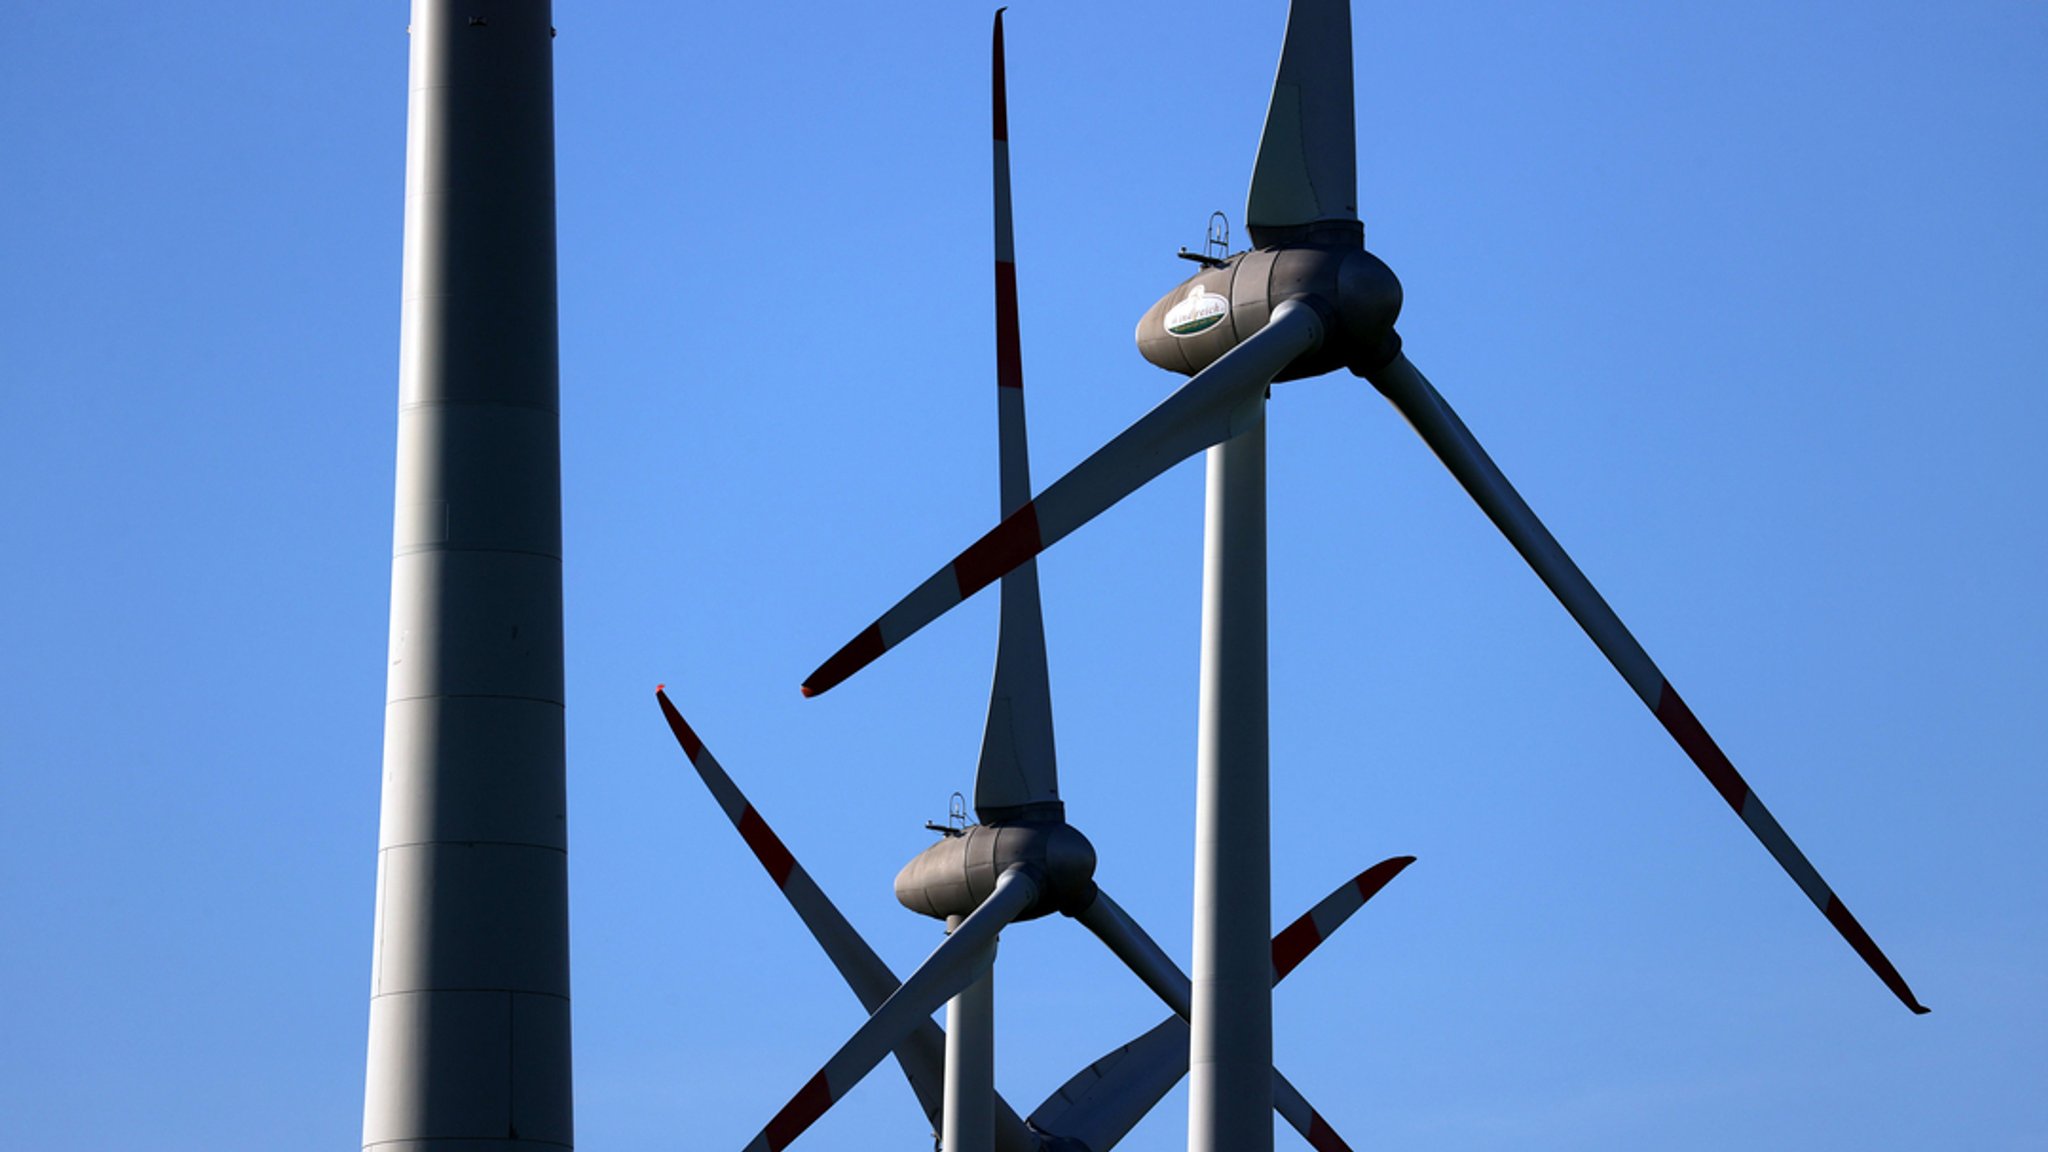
<point x="1745" y="297"/>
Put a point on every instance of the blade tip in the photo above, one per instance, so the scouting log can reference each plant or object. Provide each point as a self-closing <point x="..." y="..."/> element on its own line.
<point x="1381" y="874"/>
<point x="858" y="653"/>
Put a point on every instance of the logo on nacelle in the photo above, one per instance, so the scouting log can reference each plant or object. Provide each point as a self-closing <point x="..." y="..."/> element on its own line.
<point x="1200" y="311"/>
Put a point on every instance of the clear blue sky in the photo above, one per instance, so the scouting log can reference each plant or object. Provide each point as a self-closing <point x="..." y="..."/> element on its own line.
<point x="1747" y="298"/>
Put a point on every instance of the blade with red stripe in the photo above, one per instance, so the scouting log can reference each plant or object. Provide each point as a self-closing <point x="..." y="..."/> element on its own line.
<point x="952" y="966"/>
<point x="1017" y="772"/>
<point x="1454" y="444"/>
<point x="1102" y="1102"/>
<point x="1294" y="942"/>
<point x="922" y="1054"/>
<point x="1216" y="404"/>
<point x="1294" y="1108"/>
<point x="865" y="972"/>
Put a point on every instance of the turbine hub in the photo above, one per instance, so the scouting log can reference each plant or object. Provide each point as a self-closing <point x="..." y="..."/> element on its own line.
<point x="1214" y="310"/>
<point x="953" y="876"/>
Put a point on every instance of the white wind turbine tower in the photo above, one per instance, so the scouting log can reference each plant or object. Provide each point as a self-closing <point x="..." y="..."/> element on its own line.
<point x="1306" y="300"/>
<point x="469" y="1005"/>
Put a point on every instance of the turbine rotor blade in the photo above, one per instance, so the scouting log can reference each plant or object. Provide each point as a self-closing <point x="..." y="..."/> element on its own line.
<point x="1454" y="444"/>
<point x="1123" y="1086"/>
<point x="1015" y="461"/>
<point x="951" y="967"/>
<point x="1294" y="1108"/>
<point x="1139" y="952"/>
<point x="1305" y="181"/>
<point x="1129" y="941"/>
<point x="922" y="1054"/>
<point x="1017" y="775"/>
<point x="864" y="971"/>
<point x="1294" y="942"/>
<point x="1219" y="402"/>
<point x="1100" y="1104"/>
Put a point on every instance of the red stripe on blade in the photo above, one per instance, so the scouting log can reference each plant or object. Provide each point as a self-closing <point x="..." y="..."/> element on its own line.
<point x="676" y="723"/>
<point x="800" y="1113"/>
<point x="1293" y="945"/>
<point x="1012" y="542"/>
<point x="767" y="846"/>
<point x="1691" y="736"/>
<point x="1838" y="915"/>
<point x="1009" y="345"/>
<point x="858" y="654"/>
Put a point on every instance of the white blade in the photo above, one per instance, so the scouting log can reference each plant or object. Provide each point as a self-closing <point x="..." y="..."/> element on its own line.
<point x="1292" y="944"/>
<point x="1307" y="169"/>
<point x="1018" y="770"/>
<point x="921" y="1054"/>
<point x="1101" y="1103"/>
<point x="1219" y="402"/>
<point x="952" y="966"/>
<point x="1455" y="445"/>
<point x="1115" y="1092"/>
<point x="1139" y="952"/>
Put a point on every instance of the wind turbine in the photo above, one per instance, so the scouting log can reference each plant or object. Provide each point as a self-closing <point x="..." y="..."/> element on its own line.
<point x="1097" y="1106"/>
<point x="1021" y="861"/>
<point x="1306" y="300"/>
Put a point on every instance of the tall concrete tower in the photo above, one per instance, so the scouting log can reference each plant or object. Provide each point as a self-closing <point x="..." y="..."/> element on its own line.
<point x="469" y="1002"/>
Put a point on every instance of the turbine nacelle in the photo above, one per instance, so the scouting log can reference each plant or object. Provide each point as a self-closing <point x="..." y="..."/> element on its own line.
<point x="1353" y="292"/>
<point x="954" y="876"/>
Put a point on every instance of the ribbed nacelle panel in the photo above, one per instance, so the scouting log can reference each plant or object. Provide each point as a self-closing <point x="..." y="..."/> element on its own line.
<point x="469" y="1009"/>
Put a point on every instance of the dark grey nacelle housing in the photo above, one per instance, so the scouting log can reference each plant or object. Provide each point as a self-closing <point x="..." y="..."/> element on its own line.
<point x="1356" y="295"/>
<point x="953" y="877"/>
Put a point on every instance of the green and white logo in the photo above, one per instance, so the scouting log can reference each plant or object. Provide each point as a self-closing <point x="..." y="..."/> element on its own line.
<point x="1198" y="312"/>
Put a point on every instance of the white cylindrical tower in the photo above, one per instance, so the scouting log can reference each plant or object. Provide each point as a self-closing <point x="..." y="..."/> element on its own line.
<point x="469" y="1007"/>
<point x="1230" y="1044"/>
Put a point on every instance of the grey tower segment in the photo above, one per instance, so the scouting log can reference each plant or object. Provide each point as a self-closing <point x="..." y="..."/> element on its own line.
<point x="968" y="1123"/>
<point x="469" y="1009"/>
<point x="1230" y="1047"/>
